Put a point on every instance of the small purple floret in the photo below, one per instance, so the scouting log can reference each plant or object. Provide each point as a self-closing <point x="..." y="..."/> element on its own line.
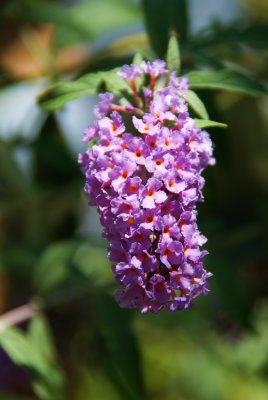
<point x="132" y="71"/>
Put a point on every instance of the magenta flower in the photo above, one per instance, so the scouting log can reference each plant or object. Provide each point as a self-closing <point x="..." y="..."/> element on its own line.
<point x="144" y="175"/>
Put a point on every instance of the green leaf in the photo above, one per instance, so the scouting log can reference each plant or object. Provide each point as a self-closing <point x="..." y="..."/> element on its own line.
<point x="17" y="346"/>
<point x="51" y="382"/>
<point x="91" y="260"/>
<point x="57" y="259"/>
<point x="35" y="352"/>
<point x="173" y="55"/>
<point x="195" y="103"/>
<point x="39" y="332"/>
<point x="137" y="59"/>
<point x="113" y="83"/>
<point x="119" y="347"/>
<point x="57" y="95"/>
<point x="234" y="33"/>
<point x="225" y="80"/>
<point x="163" y="18"/>
<point x="205" y="123"/>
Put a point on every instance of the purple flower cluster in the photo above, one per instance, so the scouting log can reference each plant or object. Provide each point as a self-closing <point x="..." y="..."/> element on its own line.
<point x="145" y="185"/>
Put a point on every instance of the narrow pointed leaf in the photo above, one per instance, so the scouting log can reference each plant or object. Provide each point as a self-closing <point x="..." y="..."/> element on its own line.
<point x="205" y="123"/>
<point x="17" y="346"/>
<point x="137" y="58"/>
<point x="173" y="55"/>
<point x="195" y="103"/>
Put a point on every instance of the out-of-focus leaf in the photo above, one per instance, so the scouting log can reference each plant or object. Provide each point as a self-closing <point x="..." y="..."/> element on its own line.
<point x="173" y="55"/>
<point x="225" y="80"/>
<point x="121" y="358"/>
<point x="89" y="18"/>
<point x="94" y="385"/>
<point x="98" y="17"/>
<point x="17" y="346"/>
<point x="35" y="352"/>
<point x="54" y="268"/>
<point x="238" y="32"/>
<point x="171" y="16"/>
<point x="226" y="283"/>
<point x="5" y="396"/>
<point x="12" y="179"/>
<point x="39" y="332"/>
<point x="205" y="123"/>
<point x="92" y="261"/>
<point x="52" y="382"/>
<point x="195" y="103"/>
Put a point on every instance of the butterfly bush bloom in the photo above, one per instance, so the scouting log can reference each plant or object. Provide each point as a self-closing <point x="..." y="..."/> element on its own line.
<point x="145" y="180"/>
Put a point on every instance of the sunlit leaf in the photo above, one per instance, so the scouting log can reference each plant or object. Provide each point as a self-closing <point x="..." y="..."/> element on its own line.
<point x="52" y="380"/>
<point x="205" y="123"/>
<point x="16" y="345"/>
<point x="35" y="352"/>
<point x="57" y="95"/>
<point x="173" y="54"/>
<point x="113" y="83"/>
<point x="195" y="103"/>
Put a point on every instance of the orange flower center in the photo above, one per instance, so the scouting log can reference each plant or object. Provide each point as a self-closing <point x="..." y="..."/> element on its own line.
<point x="132" y="189"/>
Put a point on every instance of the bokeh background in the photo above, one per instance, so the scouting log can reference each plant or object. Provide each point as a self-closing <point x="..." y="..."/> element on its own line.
<point x="82" y="346"/>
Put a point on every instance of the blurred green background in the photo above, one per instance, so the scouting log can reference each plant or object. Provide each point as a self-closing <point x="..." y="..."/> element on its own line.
<point x="81" y="345"/>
